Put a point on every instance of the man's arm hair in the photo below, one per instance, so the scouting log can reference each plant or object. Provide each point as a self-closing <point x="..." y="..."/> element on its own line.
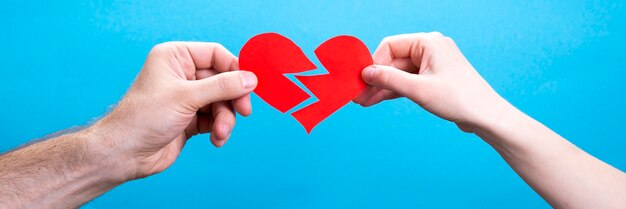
<point x="46" y="137"/>
<point x="56" y="134"/>
<point x="63" y="170"/>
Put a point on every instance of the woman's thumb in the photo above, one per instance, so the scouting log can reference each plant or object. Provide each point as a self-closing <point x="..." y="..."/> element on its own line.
<point x="387" y="77"/>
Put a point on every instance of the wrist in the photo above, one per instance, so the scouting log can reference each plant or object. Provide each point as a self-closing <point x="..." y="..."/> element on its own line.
<point x="503" y="119"/>
<point x="114" y="164"/>
<point x="490" y="110"/>
<point x="495" y="115"/>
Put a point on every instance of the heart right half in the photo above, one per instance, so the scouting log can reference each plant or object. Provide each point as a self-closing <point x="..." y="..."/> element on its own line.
<point x="270" y="55"/>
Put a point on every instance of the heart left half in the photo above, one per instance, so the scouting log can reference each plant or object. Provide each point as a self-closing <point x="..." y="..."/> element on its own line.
<point x="270" y="55"/>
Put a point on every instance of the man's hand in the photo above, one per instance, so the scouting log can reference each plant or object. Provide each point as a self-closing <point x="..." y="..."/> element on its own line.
<point x="183" y="89"/>
<point x="429" y="69"/>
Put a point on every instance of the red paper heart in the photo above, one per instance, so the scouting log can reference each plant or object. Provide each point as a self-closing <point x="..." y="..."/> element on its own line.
<point x="270" y="55"/>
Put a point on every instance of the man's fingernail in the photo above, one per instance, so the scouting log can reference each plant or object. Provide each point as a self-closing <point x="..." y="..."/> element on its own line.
<point x="368" y="73"/>
<point x="226" y="131"/>
<point x="248" y="79"/>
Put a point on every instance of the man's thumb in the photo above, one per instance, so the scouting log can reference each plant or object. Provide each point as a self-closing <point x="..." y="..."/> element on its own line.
<point x="387" y="77"/>
<point x="223" y="86"/>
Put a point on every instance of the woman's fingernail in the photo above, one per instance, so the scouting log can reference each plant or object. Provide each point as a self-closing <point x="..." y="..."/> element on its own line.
<point x="248" y="79"/>
<point x="368" y="73"/>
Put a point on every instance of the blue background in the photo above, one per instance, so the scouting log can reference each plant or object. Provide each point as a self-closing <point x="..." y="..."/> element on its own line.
<point x="64" y="63"/>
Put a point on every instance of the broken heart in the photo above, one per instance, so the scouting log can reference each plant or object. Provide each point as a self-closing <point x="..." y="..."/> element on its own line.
<point x="270" y="55"/>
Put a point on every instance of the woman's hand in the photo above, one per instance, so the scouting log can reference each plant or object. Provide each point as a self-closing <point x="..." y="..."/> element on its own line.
<point x="429" y="69"/>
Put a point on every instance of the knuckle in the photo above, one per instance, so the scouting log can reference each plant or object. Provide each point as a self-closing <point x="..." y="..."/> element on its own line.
<point x="383" y="77"/>
<point x="418" y="34"/>
<point x="387" y="39"/>
<point x="450" y="40"/>
<point x="423" y="41"/>
<point x="165" y="48"/>
<point x="429" y="43"/>
<point x="435" y="39"/>
<point x="390" y="39"/>
<point x="226" y="116"/>
<point x="217" y="48"/>
<point x="224" y="84"/>
<point x="216" y="45"/>
<point x="436" y="34"/>
<point x="161" y="47"/>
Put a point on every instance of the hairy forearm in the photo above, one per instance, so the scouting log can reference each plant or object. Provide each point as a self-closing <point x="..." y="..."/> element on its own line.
<point x="563" y="174"/>
<point x="62" y="172"/>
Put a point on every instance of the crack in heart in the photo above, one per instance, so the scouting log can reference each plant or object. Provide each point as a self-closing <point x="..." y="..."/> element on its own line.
<point x="270" y="55"/>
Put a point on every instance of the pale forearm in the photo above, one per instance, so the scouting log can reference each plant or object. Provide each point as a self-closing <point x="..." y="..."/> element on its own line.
<point x="63" y="172"/>
<point x="429" y="69"/>
<point x="566" y="176"/>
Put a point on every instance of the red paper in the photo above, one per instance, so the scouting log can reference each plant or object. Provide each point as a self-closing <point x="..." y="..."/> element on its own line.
<point x="344" y="57"/>
<point x="270" y="55"/>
